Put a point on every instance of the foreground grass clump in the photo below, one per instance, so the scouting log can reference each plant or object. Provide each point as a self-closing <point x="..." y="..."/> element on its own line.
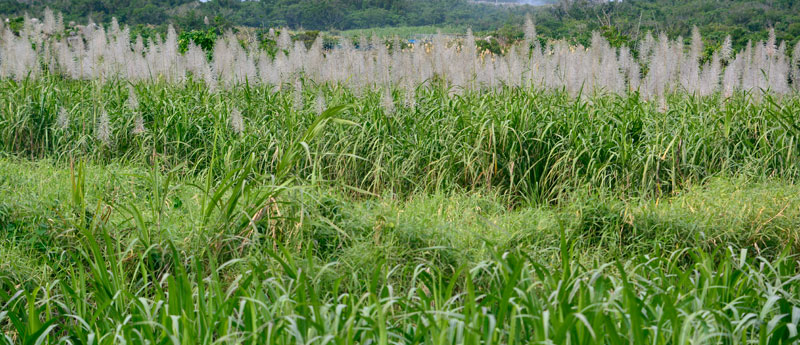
<point x="110" y="253"/>
<point x="40" y="217"/>
<point x="684" y="297"/>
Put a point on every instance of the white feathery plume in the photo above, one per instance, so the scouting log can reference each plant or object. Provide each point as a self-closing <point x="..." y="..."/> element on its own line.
<point x="530" y="30"/>
<point x="770" y="44"/>
<point x="469" y="53"/>
<point x="382" y="60"/>
<point x="96" y="50"/>
<point x="387" y="102"/>
<point x="195" y="60"/>
<point x="49" y="22"/>
<point x="730" y="78"/>
<point x="410" y="94"/>
<point x="625" y="63"/>
<point x="103" y="130"/>
<point x="281" y="65"/>
<point x="63" y="118"/>
<point x="690" y="67"/>
<point x="246" y="67"/>
<point x="320" y="103"/>
<point x="284" y="40"/>
<point x="299" y="50"/>
<point x="710" y="76"/>
<point x="133" y="100"/>
<point x="138" y="46"/>
<point x="297" y="102"/>
<point x="210" y="79"/>
<point x="746" y="69"/>
<point x="224" y="58"/>
<point x="59" y="22"/>
<point x="114" y="26"/>
<point x="236" y="121"/>
<point x="170" y="56"/>
<point x="315" y="60"/>
<point x="469" y="48"/>
<point x="138" y="125"/>
<point x="25" y="60"/>
<point x="264" y="67"/>
<point x="646" y="47"/>
<point x="108" y="53"/>
<point x="32" y="31"/>
<point x="726" y="50"/>
<point x="634" y="77"/>
<point x="780" y="71"/>
<point x="663" y="107"/>
<point x="697" y="43"/>
<point x="796" y="65"/>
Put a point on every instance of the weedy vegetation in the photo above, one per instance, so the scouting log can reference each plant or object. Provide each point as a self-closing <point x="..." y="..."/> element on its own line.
<point x="394" y="194"/>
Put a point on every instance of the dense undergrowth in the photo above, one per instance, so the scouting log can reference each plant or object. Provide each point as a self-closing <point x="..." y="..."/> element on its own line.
<point x="505" y="216"/>
<point x="534" y="145"/>
<point x="437" y="269"/>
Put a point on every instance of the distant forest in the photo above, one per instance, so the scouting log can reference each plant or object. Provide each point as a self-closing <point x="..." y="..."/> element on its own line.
<point x="308" y="14"/>
<point x="619" y="21"/>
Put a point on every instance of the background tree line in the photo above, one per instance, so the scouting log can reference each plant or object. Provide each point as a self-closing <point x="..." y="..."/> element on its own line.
<point x="308" y="14"/>
<point x="620" y="21"/>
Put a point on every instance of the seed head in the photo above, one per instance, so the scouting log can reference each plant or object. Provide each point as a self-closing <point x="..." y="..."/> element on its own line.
<point x="284" y="40"/>
<point x="663" y="106"/>
<point x="320" y="103"/>
<point x="236" y="121"/>
<point x="133" y="101"/>
<point x="410" y="97"/>
<point x="63" y="118"/>
<point x="297" y="104"/>
<point x="726" y="51"/>
<point x="138" y="125"/>
<point x="697" y="43"/>
<point x="103" y="131"/>
<point x="770" y="45"/>
<point x="387" y="102"/>
<point x="530" y="30"/>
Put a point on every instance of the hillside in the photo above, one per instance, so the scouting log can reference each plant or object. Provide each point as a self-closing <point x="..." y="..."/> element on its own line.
<point x="620" y="22"/>
<point x="309" y="14"/>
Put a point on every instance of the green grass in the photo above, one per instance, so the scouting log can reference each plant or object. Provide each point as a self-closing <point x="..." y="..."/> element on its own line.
<point x="501" y="217"/>
<point x="439" y="269"/>
<point x="450" y="229"/>
<point x="531" y="146"/>
<point x="407" y="271"/>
